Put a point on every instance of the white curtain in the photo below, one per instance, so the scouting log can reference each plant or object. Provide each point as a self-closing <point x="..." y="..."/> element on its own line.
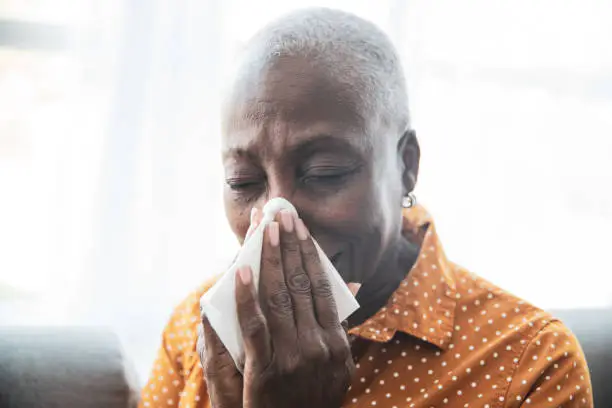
<point x="114" y="212"/>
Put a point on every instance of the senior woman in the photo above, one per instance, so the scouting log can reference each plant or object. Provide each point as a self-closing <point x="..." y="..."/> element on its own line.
<point x="318" y="115"/>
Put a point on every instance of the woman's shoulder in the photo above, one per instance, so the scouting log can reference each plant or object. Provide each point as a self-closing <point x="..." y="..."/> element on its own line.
<point x="181" y="332"/>
<point x="189" y="307"/>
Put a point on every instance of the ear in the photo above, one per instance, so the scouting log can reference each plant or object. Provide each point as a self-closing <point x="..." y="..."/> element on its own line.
<point x="409" y="154"/>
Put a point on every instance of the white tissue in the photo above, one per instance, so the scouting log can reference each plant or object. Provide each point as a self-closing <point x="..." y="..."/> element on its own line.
<point x="219" y="303"/>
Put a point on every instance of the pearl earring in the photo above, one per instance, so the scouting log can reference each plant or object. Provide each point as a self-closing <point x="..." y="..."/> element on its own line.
<point x="409" y="200"/>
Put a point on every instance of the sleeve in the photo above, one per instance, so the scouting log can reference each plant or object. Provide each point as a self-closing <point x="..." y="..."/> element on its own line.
<point x="552" y="372"/>
<point x="165" y="382"/>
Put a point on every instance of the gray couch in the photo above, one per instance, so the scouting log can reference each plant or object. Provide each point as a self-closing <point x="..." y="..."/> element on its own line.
<point x="594" y="331"/>
<point x="64" y="368"/>
<point x="53" y="367"/>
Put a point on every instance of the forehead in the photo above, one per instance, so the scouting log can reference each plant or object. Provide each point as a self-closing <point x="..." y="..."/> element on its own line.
<point x="292" y="103"/>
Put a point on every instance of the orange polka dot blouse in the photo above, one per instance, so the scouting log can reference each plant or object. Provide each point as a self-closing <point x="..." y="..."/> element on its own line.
<point x="445" y="338"/>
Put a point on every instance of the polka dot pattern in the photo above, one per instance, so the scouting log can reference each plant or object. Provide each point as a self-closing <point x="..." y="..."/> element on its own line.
<point x="176" y="379"/>
<point x="446" y="338"/>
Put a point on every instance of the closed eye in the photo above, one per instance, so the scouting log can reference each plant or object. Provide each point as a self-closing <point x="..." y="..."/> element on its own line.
<point x="327" y="178"/>
<point x="241" y="185"/>
<point x="328" y="175"/>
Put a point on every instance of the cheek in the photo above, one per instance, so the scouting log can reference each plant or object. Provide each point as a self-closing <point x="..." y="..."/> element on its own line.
<point x="358" y="210"/>
<point x="349" y="220"/>
<point x="366" y="225"/>
<point x="238" y="217"/>
<point x="348" y="207"/>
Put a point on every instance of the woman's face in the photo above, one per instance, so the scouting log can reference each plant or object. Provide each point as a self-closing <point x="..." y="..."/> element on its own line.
<point x="292" y="133"/>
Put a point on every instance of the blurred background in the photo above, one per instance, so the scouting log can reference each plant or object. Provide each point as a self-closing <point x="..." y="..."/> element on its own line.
<point x="110" y="177"/>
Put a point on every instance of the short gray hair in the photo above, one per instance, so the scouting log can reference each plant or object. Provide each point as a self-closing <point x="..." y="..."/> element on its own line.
<point x="350" y="49"/>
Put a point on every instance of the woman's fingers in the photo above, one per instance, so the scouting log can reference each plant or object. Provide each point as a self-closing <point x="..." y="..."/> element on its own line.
<point x="252" y="322"/>
<point x="311" y="340"/>
<point x="334" y="335"/>
<point x="296" y="278"/>
<point x="325" y="305"/>
<point x="274" y="295"/>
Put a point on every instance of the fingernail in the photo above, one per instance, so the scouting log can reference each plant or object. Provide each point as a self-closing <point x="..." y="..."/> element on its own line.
<point x="245" y="275"/>
<point x="354" y="287"/>
<point x="273" y="233"/>
<point x="253" y="214"/>
<point x="287" y="220"/>
<point x="301" y="230"/>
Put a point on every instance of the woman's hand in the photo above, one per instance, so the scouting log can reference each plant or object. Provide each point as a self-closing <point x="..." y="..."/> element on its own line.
<point x="223" y="380"/>
<point x="296" y="351"/>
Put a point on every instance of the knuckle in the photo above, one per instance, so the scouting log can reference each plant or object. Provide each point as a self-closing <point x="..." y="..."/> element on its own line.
<point x="309" y="250"/>
<point x="318" y="355"/>
<point x="254" y="326"/>
<point x="272" y="261"/>
<point x="299" y="281"/>
<point x="329" y="320"/>
<point x="315" y="349"/>
<point x="290" y="247"/>
<point x="214" y="366"/>
<point x="215" y="372"/>
<point x="280" y="302"/>
<point x="322" y="288"/>
<point x="289" y="365"/>
<point x="310" y="254"/>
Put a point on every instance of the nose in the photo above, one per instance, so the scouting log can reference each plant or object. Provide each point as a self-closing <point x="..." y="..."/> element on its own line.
<point x="280" y="185"/>
<point x="283" y="184"/>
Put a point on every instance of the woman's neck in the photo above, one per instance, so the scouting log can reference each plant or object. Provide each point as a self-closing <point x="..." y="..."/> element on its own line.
<point x="376" y="291"/>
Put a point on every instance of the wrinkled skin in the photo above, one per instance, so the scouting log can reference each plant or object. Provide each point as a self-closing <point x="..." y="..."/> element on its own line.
<point x="291" y="132"/>
<point x="291" y="331"/>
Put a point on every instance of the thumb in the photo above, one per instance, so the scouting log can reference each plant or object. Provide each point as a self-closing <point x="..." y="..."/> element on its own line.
<point x="214" y="357"/>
